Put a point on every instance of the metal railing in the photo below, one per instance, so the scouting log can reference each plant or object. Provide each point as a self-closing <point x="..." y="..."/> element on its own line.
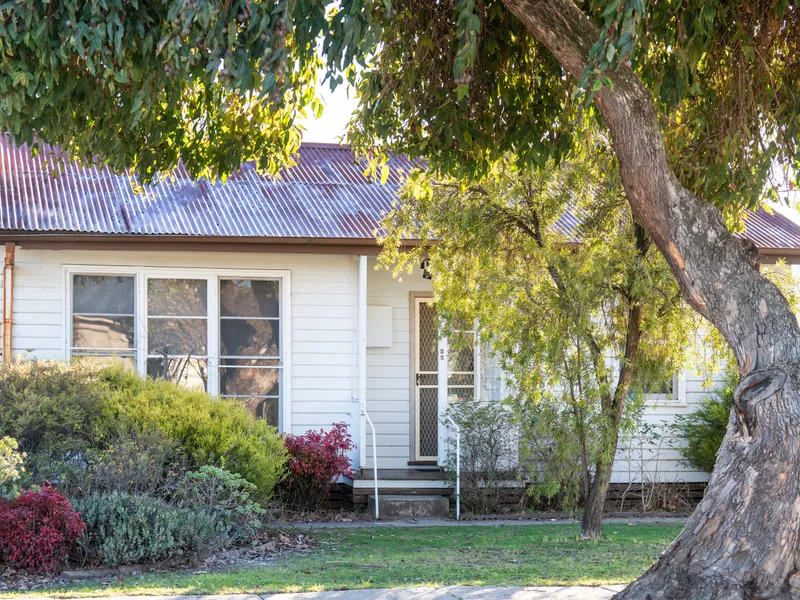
<point x="457" y="430"/>
<point x="374" y="460"/>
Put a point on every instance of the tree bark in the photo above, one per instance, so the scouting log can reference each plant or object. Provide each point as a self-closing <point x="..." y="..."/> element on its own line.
<point x="743" y="539"/>
<point x="613" y="407"/>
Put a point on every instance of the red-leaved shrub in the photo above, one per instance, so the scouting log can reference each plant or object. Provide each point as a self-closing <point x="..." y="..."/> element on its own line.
<point x="316" y="460"/>
<point x="38" y="529"/>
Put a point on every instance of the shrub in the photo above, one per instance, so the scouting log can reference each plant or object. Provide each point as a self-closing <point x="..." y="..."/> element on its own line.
<point x="209" y="431"/>
<point x="316" y="460"/>
<point x="227" y="497"/>
<point x="488" y="453"/>
<point x="135" y="462"/>
<point x="38" y="529"/>
<point x="52" y="408"/>
<point x="11" y="460"/>
<point x="125" y="529"/>
<point x="704" y="429"/>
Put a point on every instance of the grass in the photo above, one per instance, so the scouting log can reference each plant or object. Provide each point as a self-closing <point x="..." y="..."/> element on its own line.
<point x="397" y="557"/>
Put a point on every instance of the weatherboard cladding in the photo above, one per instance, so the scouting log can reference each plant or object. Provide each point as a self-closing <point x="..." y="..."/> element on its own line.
<point x="325" y="196"/>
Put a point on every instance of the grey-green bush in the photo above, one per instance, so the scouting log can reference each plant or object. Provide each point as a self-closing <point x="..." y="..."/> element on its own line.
<point x="126" y="529"/>
<point x="704" y="429"/>
<point x="227" y="497"/>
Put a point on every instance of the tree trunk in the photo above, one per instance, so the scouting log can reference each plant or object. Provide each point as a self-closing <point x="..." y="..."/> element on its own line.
<point x="592" y="518"/>
<point x="743" y="539"/>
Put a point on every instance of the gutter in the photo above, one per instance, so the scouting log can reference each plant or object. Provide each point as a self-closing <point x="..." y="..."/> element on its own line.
<point x="8" y="301"/>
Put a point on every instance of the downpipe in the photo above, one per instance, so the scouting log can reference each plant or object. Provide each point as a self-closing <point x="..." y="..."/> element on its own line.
<point x="8" y="301"/>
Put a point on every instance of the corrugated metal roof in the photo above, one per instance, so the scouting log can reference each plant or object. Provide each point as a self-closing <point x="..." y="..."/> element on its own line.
<point x="325" y="196"/>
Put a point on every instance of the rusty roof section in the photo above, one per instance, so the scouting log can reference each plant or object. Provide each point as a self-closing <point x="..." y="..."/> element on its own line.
<point x="326" y="196"/>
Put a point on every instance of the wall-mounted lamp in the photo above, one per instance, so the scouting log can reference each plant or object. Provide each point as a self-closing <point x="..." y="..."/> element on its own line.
<point x="425" y="266"/>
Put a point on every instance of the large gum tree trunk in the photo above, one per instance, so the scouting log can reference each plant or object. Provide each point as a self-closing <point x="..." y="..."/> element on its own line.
<point x="742" y="541"/>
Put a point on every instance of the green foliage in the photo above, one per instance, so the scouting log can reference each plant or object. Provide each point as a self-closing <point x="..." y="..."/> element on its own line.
<point x="133" y="462"/>
<point x="209" y="431"/>
<point x="213" y="83"/>
<point x="227" y="497"/>
<point x="11" y="460"/>
<point x="553" y="450"/>
<point x="52" y="408"/>
<point x="145" y="84"/>
<point x="125" y="529"/>
<point x="555" y="312"/>
<point x="488" y="454"/>
<point x="704" y="429"/>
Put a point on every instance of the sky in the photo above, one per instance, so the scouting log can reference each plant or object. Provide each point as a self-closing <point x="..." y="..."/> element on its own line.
<point x="332" y="125"/>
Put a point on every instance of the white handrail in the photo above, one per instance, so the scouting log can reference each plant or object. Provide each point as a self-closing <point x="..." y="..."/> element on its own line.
<point x="374" y="460"/>
<point x="457" y="429"/>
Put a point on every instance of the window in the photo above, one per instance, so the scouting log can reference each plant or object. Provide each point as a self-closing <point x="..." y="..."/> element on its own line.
<point x="668" y="392"/>
<point x="177" y="331"/>
<point x="218" y="332"/>
<point x="250" y="348"/>
<point x="461" y="372"/>
<point x="103" y="317"/>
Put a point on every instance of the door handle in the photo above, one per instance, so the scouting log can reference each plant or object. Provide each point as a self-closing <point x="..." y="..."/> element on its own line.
<point x="418" y="378"/>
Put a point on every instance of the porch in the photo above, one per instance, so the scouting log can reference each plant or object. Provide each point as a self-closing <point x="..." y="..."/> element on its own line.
<point x="400" y="482"/>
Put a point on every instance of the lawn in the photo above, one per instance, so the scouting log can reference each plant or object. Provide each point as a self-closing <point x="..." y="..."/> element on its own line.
<point x="393" y="557"/>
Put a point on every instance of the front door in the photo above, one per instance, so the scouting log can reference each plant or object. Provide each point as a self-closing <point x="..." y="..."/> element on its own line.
<point x="426" y="381"/>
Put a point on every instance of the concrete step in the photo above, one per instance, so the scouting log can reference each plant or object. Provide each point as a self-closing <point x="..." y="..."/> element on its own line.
<point x="395" y="506"/>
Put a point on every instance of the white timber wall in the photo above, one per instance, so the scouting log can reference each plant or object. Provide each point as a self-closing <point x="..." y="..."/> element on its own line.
<point x="389" y="369"/>
<point x="652" y="454"/>
<point x="324" y="329"/>
<point x="322" y="317"/>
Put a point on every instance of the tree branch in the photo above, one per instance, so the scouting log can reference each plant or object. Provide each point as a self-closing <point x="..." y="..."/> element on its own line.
<point x="711" y="266"/>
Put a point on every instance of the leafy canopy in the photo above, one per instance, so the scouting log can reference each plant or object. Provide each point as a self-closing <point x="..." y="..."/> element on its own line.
<point x="141" y="84"/>
<point x="504" y="254"/>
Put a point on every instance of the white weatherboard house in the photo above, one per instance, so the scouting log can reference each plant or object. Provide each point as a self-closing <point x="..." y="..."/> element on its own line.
<point x="265" y="290"/>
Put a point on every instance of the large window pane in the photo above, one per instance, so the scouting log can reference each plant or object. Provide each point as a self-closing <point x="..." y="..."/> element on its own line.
<point x="103" y="295"/>
<point x="177" y="331"/>
<point x="249" y="329"/>
<point x="238" y="381"/>
<point x="125" y="359"/>
<point x="249" y="337"/>
<point x="177" y="336"/>
<point x="462" y="353"/>
<point x="102" y="332"/>
<point x="263" y="408"/>
<point x="189" y="372"/>
<point x="249" y="298"/>
<point x="177" y="297"/>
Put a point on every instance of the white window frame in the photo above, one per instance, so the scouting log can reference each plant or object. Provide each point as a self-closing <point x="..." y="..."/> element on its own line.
<point x="212" y="276"/>
<point x="676" y="398"/>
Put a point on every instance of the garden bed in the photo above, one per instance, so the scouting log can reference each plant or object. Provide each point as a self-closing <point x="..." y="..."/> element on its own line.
<point x="375" y="557"/>
<point x="268" y="546"/>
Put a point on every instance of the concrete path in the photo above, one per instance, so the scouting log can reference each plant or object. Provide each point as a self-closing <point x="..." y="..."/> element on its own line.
<point x="421" y="593"/>
<point x="476" y="523"/>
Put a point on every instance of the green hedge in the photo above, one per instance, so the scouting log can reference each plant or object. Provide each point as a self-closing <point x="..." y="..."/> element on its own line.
<point x="64" y="417"/>
<point x="50" y="407"/>
<point x="209" y="431"/>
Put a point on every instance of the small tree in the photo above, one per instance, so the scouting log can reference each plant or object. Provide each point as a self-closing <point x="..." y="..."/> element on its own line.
<point x="582" y="328"/>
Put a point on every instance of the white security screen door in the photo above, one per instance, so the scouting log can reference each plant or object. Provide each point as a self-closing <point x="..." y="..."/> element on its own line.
<point x="426" y="382"/>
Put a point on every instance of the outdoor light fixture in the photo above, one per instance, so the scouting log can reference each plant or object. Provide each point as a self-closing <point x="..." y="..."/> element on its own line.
<point x="424" y="265"/>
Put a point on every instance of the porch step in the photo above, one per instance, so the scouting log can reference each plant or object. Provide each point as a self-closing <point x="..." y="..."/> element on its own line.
<point x="408" y="506"/>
